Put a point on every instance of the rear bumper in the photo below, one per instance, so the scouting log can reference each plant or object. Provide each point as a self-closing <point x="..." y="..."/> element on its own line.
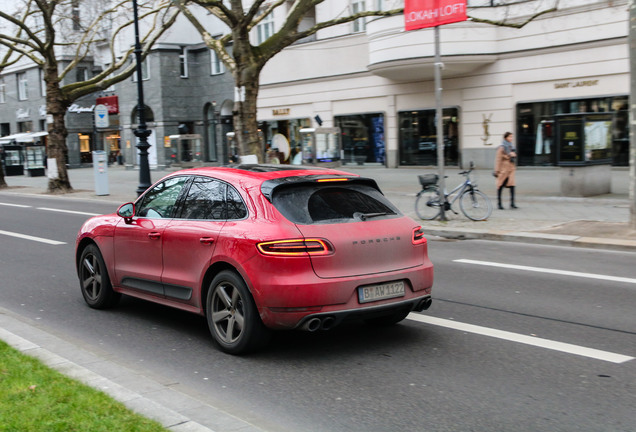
<point x="328" y="320"/>
<point x="287" y="316"/>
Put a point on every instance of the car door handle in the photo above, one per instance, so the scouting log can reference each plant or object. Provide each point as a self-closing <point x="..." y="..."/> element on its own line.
<point x="154" y="235"/>
<point x="206" y="240"/>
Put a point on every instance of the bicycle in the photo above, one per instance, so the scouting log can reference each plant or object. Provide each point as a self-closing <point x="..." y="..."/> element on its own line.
<point x="473" y="203"/>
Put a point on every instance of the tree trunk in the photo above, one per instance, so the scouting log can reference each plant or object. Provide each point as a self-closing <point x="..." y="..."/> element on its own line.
<point x="245" y="122"/>
<point x="56" y="106"/>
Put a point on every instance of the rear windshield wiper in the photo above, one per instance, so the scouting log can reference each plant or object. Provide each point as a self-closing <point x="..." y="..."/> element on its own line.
<point x="365" y="216"/>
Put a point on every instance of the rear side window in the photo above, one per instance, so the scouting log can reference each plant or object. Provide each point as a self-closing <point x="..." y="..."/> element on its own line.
<point x="311" y="204"/>
<point x="205" y="200"/>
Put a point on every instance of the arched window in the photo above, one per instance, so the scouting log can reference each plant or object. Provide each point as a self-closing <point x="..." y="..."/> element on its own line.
<point x="148" y="114"/>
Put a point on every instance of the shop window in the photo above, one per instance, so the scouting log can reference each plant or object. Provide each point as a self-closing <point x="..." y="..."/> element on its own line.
<point x="362" y="138"/>
<point x="418" y="137"/>
<point x="535" y="140"/>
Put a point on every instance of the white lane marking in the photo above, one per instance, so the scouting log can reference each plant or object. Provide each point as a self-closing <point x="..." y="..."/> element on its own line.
<point x="15" y="205"/>
<point x="68" y="211"/>
<point x="519" y="338"/>
<point x="547" y="270"/>
<point x="32" y="238"/>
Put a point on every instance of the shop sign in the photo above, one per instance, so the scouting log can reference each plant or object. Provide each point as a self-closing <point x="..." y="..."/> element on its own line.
<point x="111" y="102"/>
<point x="101" y="116"/>
<point x="281" y="111"/>
<point x="573" y="84"/>
<point x="75" y="108"/>
<point x="420" y="14"/>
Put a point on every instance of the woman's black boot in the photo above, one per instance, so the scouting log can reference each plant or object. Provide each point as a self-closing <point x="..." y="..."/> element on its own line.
<point x="512" y="198"/>
<point x="499" y="206"/>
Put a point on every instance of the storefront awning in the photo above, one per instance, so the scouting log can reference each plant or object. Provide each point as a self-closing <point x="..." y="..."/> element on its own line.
<point x="25" y="137"/>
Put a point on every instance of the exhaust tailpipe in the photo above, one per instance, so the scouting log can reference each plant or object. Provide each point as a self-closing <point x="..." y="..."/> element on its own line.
<point x="424" y="304"/>
<point x="312" y="325"/>
<point x="328" y="323"/>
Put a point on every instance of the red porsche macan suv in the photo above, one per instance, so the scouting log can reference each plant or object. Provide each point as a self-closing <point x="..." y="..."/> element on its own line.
<point x="259" y="247"/>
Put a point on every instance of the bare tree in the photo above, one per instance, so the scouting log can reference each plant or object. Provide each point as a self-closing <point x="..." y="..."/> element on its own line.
<point x="52" y="34"/>
<point x="246" y="61"/>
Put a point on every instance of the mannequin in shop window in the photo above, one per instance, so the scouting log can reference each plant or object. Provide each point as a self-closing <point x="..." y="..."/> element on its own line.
<point x="505" y="167"/>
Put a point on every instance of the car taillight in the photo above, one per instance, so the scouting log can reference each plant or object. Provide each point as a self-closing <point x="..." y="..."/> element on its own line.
<point x="295" y="247"/>
<point x="418" y="236"/>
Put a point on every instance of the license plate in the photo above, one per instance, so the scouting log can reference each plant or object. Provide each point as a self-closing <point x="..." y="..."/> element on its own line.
<point x="372" y="293"/>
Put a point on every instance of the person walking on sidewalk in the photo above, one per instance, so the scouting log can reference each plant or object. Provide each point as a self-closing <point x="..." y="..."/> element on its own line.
<point x="505" y="168"/>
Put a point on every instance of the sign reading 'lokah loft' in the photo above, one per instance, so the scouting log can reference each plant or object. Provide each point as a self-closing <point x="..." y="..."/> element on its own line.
<point x="420" y="14"/>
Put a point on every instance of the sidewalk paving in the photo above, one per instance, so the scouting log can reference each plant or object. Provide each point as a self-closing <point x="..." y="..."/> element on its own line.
<point x="543" y="217"/>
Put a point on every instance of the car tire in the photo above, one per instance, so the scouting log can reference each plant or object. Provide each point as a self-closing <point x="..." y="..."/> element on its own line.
<point x="388" y="320"/>
<point x="95" y="284"/>
<point x="232" y="315"/>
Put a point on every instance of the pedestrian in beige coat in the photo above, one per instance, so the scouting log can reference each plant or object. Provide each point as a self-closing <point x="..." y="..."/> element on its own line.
<point x="505" y="168"/>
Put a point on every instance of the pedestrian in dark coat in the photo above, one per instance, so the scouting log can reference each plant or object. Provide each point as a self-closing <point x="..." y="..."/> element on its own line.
<point x="505" y="168"/>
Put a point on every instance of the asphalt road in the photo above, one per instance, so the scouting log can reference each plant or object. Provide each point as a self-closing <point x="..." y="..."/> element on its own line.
<point x="501" y="348"/>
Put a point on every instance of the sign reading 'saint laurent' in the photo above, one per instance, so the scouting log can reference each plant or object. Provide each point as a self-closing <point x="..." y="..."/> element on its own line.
<point x="432" y="13"/>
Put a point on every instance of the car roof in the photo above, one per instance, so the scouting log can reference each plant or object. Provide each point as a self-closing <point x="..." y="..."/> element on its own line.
<point x="259" y="173"/>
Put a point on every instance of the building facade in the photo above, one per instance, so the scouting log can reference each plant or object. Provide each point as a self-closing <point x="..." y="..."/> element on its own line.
<point x="376" y="82"/>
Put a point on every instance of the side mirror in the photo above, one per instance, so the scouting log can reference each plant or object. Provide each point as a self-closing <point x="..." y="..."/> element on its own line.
<point x="126" y="211"/>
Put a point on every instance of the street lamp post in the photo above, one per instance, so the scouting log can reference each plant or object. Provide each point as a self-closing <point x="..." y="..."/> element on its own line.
<point x="142" y="131"/>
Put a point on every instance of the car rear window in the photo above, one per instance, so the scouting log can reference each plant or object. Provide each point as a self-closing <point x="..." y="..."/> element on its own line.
<point x="314" y="203"/>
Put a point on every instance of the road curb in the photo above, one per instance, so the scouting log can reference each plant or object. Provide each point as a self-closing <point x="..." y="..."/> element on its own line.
<point x="533" y="238"/>
<point x="137" y="392"/>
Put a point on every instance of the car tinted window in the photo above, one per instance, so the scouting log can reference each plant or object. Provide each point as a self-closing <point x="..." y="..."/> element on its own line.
<point x="309" y="204"/>
<point x="159" y="202"/>
<point x="235" y="206"/>
<point x="205" y="200"/>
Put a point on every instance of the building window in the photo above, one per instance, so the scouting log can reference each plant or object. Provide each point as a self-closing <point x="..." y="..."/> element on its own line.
<point x="81" y="74"/>
<point x="216" y="65"/>
<point x="3" y="91"/>
<point x="42" y="83"/>
<point x="23" y="86"/>
<point x="418" y="137"/>
<point x="360" y="24"/>
<point x="183" y="62"/>
<point x="265" y="29"/>
<point x="26" y="126"/>
<point x="145" y="72"/>
<point x="75" y="15"/>
<point x="5" y="129"/>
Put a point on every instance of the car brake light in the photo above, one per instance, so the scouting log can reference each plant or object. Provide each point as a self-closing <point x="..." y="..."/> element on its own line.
<point x="332" y="180"/>
<point x="295" y="247"/>
<point x="418" y="236"/>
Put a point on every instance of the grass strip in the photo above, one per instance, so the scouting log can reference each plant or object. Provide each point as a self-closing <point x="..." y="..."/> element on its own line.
<point x="34" y="397"/>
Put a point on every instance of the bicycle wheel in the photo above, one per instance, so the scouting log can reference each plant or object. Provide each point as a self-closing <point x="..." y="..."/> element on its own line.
<point x="427" y="204"/>
<point x="475" y="205"/>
